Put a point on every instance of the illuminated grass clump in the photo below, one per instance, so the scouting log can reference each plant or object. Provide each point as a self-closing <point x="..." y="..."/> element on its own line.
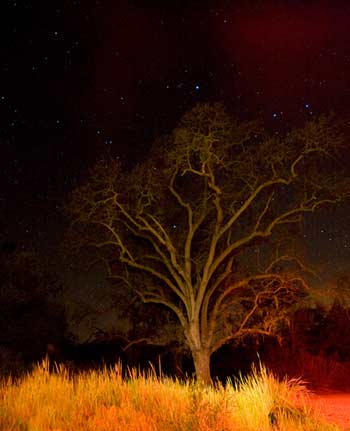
<point x="104" y="401"/>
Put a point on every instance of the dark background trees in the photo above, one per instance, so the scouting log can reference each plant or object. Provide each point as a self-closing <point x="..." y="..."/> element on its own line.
<point x="32" y="315"/>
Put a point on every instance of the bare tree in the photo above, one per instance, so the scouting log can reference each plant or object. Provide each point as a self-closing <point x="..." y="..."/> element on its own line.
<point x="180" y="229"/>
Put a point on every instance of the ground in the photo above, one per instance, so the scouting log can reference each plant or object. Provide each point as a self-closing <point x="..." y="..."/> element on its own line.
<point x="335" y="407"/>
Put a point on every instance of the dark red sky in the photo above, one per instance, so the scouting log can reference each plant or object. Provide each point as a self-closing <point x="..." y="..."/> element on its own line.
<point x="291" y="55"/>
<point x="257" y="58"/>
<point x="78" y="76"/>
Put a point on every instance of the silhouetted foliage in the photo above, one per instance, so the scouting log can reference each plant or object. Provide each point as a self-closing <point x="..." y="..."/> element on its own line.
<point x="30" y="315"/>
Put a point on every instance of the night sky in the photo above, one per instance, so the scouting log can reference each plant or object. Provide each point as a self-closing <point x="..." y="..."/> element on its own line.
<point x="78" y="77"/>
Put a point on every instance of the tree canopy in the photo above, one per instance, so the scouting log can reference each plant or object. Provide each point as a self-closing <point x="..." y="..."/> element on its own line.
<point x="188" y="226"/>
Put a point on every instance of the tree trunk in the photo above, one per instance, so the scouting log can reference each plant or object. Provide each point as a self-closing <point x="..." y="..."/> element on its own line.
<point x="201" y="359"/>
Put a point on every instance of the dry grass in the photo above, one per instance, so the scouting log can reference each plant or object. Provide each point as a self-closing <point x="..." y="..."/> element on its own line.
<point x="104" y="401"/>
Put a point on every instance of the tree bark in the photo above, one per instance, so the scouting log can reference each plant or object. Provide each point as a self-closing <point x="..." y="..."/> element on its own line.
<point x="201" y="359"/>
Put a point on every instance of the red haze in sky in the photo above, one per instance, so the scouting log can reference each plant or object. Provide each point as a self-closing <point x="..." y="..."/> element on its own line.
<point x="287" y="52"/>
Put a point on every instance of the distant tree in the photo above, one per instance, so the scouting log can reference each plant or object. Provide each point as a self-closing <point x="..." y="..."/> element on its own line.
<point x="30" y="314"/>
<point x="184" y="228"/>
<point x="341" y="291"/>
<point x="131" y="324"/>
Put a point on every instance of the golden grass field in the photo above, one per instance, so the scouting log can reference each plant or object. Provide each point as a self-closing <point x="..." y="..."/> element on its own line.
<point x="104" y="401"/>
